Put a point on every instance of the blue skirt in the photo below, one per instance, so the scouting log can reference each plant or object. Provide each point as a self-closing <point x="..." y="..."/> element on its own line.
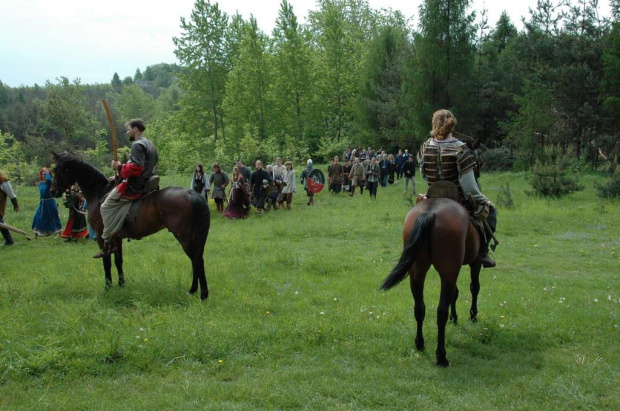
<point x="46" y="220"/>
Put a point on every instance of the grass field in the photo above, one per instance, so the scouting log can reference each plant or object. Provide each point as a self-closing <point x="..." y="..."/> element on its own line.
<point x="295" y="318"/>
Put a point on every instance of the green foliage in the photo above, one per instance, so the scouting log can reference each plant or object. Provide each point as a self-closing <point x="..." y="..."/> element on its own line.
<point x="440" y="72"/>
<point x="133" y="102"/>
<point x="498" y="159"/>
<point x="329" y="147"/>
<point x="201" y="47"/>
<point x="504" y="197"/>
<point x="100" y="156"/>
<point x="64" y="107"/>
<point x="610" y="189"/>
<point x="12" y="158"/>
<point x="550" y="175"/>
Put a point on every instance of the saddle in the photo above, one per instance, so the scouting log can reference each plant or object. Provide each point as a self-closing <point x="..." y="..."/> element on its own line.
<point x="151" y="186"/>
<point x="441" y="189"/>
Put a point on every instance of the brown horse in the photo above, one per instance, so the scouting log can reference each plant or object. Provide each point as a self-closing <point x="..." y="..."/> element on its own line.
<point x="182" y="211"/>
<point x="438" y="232"/>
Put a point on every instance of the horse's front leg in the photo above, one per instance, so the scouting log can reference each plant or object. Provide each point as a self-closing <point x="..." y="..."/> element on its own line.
<point x="416" y="280"/>
<point x="118" y="262"/>
<point x="448" y="287"/>
<point x="107" y="268"/>
<point x="474" y="287"/>
<point x="107" y="265"/>
<point x="453" y="316"/>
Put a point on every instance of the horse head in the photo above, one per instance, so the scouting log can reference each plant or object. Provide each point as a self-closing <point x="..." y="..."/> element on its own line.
<point x="62" y="175"/>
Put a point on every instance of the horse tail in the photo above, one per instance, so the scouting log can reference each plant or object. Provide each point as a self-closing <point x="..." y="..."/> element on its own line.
<point x="419" y="233"/>
<point x="201" y="220"/>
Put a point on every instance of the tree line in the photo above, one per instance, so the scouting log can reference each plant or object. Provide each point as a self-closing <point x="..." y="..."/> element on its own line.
<point x="352" y="75"/>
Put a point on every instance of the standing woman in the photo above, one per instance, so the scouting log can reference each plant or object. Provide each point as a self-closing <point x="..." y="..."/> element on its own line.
<point x="289" y="184"/>
<point x="238" y="201"/>
<point x="46" y="220"/>
<point x="76" y="226"/>
<point x="199" y="183"/>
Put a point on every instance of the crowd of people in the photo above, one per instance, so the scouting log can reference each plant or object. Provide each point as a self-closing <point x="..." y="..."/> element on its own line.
<point x="273" y="186"/>
<point x="266" y="188"/>
<point x="369" y="169"/>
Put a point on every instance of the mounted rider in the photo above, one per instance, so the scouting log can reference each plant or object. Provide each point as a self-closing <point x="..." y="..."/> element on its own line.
<point x="444" y="158"/>
<point x="135" y="174"/>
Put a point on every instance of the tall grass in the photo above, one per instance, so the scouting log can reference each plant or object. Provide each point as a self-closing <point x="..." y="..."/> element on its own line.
<point x="295" y="318"/>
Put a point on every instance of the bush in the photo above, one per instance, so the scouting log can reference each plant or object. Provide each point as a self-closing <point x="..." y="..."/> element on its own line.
<point x="330" y="147"/>
<point x="497" y="159"/>
<point x="611" y="188"/>
<point x="504" y="198"/>
<point x="550" y="174"/>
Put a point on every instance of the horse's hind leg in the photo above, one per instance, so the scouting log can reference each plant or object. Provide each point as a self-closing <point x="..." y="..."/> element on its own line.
<point x="448" y="287"/>
<point x="453" y="316"/>
<point x="118" y="262"/>
<point x="474" y="287"/>
<point x="198" y="268"/>
<point x="416" y="280"/>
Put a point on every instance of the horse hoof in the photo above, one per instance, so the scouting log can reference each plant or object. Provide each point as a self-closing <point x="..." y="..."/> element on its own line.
<point x="204" y="296"/>
<point x="419" y="345"/>
<point x="192" y="292"/>
<point x="473" y="319"/>
<point x="443" y="362"/>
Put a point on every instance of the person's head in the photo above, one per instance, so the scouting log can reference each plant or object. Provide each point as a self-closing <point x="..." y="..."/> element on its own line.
<point x="239" y="163"/>
<point x="135" y="128"/>
<point x="269" y="168"/>
<point x="278" y="161"/>
<point x="336" y="159"/>
<point x="42" y="172"/>
<point x="235" y="171"/>
<point x="400" y="152"/>
<point x="216" y="167"/>
<point x="356" y="159"/>
<point x="390" y="157"/>
<point x="373" y="158"/>
<point x="289" y="165"/>
<point x="410" y="159"/>
<point x="199" y="168"/>
<point x="258" y="165"/>
<point x="309" y="162"/>
<point x="443" y="123"/>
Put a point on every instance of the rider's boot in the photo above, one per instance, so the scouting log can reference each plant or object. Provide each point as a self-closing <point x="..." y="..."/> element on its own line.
<point x="483" y="255"/>
<point x="109" y="247"/>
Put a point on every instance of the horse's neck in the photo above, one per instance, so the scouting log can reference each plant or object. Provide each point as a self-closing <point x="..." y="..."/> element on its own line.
<point x="92" y="183"/>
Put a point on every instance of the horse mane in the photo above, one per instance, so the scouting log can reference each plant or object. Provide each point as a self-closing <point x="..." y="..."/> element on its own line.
<point x="87" y="172"/>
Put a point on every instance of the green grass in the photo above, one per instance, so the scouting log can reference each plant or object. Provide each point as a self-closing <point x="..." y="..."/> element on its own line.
<point x="295" y="318"/>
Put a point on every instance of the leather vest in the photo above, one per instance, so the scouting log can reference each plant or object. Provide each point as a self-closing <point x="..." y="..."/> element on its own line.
<point x="446" y="161"/>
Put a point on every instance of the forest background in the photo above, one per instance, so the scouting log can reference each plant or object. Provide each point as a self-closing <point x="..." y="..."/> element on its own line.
<point x="351" y="76"/>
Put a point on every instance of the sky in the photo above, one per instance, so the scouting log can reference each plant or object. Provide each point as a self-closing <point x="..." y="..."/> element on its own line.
<point x="42" y="40"/>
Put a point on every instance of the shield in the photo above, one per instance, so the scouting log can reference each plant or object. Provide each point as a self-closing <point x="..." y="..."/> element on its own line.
<point x="316" y="181"/>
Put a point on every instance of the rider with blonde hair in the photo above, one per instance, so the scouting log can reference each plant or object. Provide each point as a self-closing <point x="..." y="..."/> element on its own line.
<point x="444" y="158"/>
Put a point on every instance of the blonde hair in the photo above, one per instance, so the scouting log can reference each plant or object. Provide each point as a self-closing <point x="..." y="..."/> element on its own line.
<point x="443" y="123"/>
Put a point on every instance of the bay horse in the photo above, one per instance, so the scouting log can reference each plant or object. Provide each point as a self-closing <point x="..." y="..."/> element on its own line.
<point x="438" y="232"/>
<point x="182" y="211"/>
